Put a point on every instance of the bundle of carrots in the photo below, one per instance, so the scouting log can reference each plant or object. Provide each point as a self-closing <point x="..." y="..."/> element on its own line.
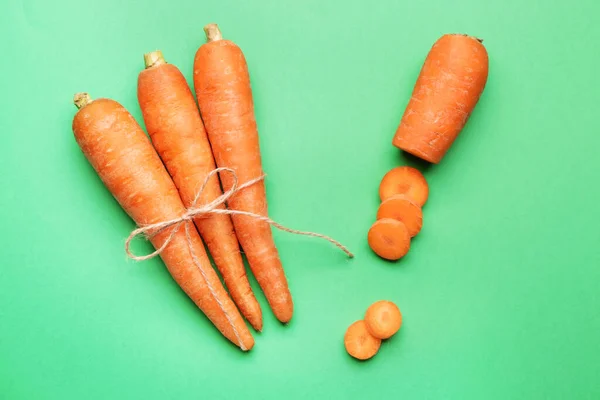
<point x="158" y="181"/>
<point x="450" y="83"/>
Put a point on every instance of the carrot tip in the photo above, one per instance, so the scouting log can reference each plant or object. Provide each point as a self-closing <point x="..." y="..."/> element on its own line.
<point x="81" y="99"/>
<point x="213" y="33"/>
<point x="256" y="323"/>
<point x="154" y="58"/>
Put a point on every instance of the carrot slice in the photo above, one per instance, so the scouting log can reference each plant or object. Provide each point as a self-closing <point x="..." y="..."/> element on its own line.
<point x="401" y="208"/>
<point x="359" y="343"/>
<point x="404" y="180"/>
<point x="383" y="319"/>
<point x="389" y="239"/>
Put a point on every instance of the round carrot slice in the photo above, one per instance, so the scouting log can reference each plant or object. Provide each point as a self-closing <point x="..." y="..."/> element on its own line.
<point x="401" y="208"/>
<point x="404" y="180"/>
<point x="383" y="319"/>
<point x="359" y="343"/>
<point x="389" y="239"/>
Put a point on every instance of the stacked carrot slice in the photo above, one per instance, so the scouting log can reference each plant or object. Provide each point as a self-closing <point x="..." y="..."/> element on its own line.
<point x="363" y="337"/>
<point x="403" y="192"/>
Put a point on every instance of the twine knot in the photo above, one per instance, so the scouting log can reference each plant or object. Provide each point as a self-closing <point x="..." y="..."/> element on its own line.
<point x="211" y="208"/>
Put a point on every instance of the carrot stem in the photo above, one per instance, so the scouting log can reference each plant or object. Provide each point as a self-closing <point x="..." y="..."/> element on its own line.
<point x="153" y="59"/>
<point x="213" y="33"/>
<point x="81" y="100"/>
<point x="471" y="37"/>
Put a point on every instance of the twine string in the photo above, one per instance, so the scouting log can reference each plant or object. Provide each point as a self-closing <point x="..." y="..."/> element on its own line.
<point x="213" y="207"/>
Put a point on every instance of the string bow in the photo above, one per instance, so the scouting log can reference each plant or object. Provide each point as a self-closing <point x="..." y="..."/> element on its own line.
<point x="212" y="207"/>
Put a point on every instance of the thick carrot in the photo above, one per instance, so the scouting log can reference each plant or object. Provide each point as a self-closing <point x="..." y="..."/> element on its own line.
<point x="407" y="181"/>
<point x="123" y="157"/>
<point x="448" y="88"/>
<point x="383" y="319"/>
<point x="177" y="133"/>
<point x="359" y="343"/>
<point x="401" y="208"/>
<point x="389" y="239"/>
<point x="224" y="95"/>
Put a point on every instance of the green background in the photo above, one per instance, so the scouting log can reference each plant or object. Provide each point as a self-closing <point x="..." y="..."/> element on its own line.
<point x="500" y="292"/>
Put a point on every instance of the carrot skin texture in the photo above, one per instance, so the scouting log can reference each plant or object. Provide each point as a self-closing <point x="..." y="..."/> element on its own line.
<point x="222" y="86"/>
<point x="119" y="151"/>
<point x="177" y="133"/>
<point x="449" y="85"/>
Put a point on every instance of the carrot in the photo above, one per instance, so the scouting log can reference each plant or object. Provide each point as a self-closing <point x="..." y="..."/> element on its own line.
<point x="125" y="161"/>
<point x="448" y="88"/>
<point x="177" y="133"/>
<point x="389" y="239"/>
<point x="401" y="208"/>
<point x="404" y="180"/>
<point x="359" y="343"/>
<point x="224" y="95"/>
<point x="383" y="319"/>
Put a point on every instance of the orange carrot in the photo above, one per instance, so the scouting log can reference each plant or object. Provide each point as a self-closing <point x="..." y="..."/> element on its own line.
<point x="359" y="343"/>
<point x="401" y="208"/>
<point x="125" y="161"/>
<point x="448" y="88"/>
<point x="224" y="95"/>
<point x="389" y="239"/>
<point x="177" y="133"/>
<point x="404" y="180"/>
<point x="383" y="319"/>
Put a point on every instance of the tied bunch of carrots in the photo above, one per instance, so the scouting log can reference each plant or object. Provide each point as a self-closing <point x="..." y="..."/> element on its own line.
<point x="449" y="85"/>
<point x="157" y="180"/>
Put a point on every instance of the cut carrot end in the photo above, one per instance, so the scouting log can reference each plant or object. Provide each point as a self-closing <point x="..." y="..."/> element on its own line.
<point x="154" y="58"/>
<point x="213" y="33"/>
<point x="415" y="150"/>
<point x="81" y="100"/>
